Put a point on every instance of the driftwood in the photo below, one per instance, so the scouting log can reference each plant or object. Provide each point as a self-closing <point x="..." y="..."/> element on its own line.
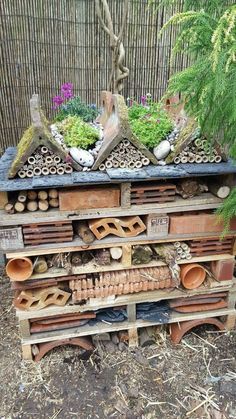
<point x="119" y="71"/>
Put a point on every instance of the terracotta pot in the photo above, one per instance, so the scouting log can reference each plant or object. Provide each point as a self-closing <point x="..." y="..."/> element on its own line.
<point x="19" y="269"/>
<point x="192" y="275"/>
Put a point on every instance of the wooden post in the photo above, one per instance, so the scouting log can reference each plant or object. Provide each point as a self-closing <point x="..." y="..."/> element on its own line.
<point x="125" y="195"/>
<point x="133" y="332"/>
<point x="24" y="326"/>
<point x="126" y="255"/>
<point x="3" y="199"/>
<point x="27" y="353"/>
<point x="231" y="318"/>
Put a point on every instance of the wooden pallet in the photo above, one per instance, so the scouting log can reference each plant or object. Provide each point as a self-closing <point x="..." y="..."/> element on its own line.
<point x="211" y="246"/>
<point x="154" y="193"/>
<point x="50" y="232"/>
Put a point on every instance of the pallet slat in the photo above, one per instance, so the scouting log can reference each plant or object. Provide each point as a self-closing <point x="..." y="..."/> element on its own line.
<point x="155" y="193"/>
<point x="49" y="232"/>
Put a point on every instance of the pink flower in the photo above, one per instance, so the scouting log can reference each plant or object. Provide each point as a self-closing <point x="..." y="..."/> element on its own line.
<point x="66" y="87"/>
<point x="57" y="100"/>
<point x="67" y="94"/>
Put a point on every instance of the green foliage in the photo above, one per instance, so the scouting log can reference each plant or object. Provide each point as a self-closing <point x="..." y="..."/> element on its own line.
<point x="78" y="133"/>
<point x="207" y="34"/>
<point x="76" y="107"/>
<point x="227" y="210"/>
<point x="150" y="124"/>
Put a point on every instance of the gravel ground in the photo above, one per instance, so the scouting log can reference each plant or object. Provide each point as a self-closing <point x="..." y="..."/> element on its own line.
<point x="196" y="379"/>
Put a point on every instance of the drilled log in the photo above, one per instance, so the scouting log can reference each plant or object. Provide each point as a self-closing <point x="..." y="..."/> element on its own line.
<point x="32" y="195"/>
<point x="54" y="203"/>
<point x="221" y="191"/>
<point x="42" y="195"/>
<point x="43" y="205"/>
<point x="53" y="193"/>
<point x="32" y="206"/>
<point x="19" y="206"/>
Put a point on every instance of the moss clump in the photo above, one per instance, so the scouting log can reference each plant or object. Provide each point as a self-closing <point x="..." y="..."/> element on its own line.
<point x="78" y="133"/>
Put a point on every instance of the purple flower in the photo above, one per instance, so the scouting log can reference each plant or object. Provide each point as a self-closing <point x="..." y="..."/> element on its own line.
<point x="57" y="100"/>
<point x="66" y="87"/>
<point x="67" y="94"/>
<point x="143" y="100"/>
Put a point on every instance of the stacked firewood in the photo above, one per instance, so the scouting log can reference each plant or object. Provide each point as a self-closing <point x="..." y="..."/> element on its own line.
<point x="125" y="155"/>
<point x="33" y="201"/>
<point x="198" y="152"/>
<point x="44" y="162"/>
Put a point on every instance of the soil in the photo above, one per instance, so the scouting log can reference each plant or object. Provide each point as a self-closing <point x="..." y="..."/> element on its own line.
<point x="159" y="381"/>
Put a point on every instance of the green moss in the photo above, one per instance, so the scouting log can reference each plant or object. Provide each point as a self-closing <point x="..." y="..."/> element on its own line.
<point x="150" y="124"/>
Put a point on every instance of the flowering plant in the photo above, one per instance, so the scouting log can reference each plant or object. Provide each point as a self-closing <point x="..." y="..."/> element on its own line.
<point x="68" y="104"/>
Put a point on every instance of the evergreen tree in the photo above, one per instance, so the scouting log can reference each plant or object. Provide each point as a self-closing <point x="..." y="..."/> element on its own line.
<point x="207" y="34"/>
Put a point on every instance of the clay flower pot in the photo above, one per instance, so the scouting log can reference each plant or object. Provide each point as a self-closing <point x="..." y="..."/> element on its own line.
<point x="192" y="275"/>
<point x="19" y="269"/>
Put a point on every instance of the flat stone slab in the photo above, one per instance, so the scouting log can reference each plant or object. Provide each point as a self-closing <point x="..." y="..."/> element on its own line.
<point x="111" y="175"/>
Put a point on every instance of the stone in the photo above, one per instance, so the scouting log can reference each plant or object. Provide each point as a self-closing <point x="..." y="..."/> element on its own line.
<point x="122" y="346"/>
<point x="162" y="150"/>
<point x="83" y="157"/>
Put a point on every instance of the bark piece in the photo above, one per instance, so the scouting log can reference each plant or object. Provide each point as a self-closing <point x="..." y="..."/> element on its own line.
<point x="82" y="229"/>
<point x="141" y="254"/>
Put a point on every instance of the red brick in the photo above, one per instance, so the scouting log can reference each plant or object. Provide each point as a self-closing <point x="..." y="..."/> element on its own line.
<point x="43" y="348"/>
<point x="223" y="270"/>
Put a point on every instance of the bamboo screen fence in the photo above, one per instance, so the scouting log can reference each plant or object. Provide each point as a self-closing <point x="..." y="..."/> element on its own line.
<point x="48" y="42"/>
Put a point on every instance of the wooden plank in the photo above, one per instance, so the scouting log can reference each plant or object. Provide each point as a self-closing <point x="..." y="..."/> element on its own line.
<point x="103" y="328"/>
<point x="89" y="197"/>
<point x="206" y="201"/>
<point x="78" y="244"/>
<point x="142" y="297"/>
<point x="3" y="199"/>
<point x="24" y="326"/>
<point x="11" y="238"/>
<point x="93" y="267"/>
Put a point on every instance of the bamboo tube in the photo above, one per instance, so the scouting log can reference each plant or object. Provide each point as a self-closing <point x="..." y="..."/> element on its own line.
<point x="198" y="159"/>
<point x="22" y="174"/>
<point x="44" y="149"/>
<point x="177" y="160"/>
<point x="37" y="171"/>
<point x="42" y="195"/>
<point x="29" y="173"/>
<point x="115" y="164"/>
<point x="211" y="159"/>
<point x="22" y="196"/>
<point x="43" y="205"/>
<point x="122" y="164"/>
<point x="31" y="160"/>
<point x="52" y="170"/>
<point x="102" y="167"/>
<point x="45" y="171"/>
<point x="145" y="161"/>
<point x="108" y="164"/>
<point x="68" y="169"/>
<point x="184" y="159"/>
<point x="56" y="159"/>
<point x="32" y="195"/>
<point x="60" y="171"/>
<point x="205" y="159"/>
<point x="138" y="164"/>
<point x="32" y="206"/>
<point x="218" y="159"/>
<point x="48" y="159"/>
